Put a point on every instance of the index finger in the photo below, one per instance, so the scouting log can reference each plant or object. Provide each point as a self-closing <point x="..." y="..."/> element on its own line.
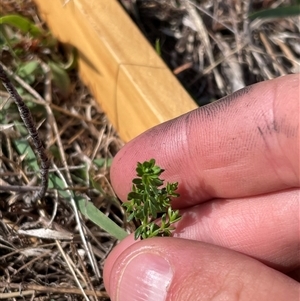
<point x="242" y="145"/>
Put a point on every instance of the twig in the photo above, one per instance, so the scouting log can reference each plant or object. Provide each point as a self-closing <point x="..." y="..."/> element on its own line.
<point x="287" y="53"/>
<point x="54" y="290"/>
<point x="7" y="296"/>
<point x="232" y="68"/>
<point x="276" y="65"/>
<point x="52" y="120"/>
<point x="38" y="98"/>
<point x="73" y="114"/>
<point x="211" y="16"/>
<point x="203" y="36"/>
<point x="54" y="211"/>
<point x="64" y="255"/>
<point x="80" y="228"/>
<point x="263" y="66"/>
<point x="19" y="188"/>
<point x="30" y="125"/>
<point x="182" y="68"/>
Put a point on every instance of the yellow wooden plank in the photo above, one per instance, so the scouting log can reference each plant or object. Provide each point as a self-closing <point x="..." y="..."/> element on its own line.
<point x="132" y="84"/>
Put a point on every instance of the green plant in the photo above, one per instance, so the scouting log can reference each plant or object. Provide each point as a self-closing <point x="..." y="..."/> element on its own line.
<point x="19" y="35"/>
<point x="278" y="12"/>
<point x="87" y="208"/>
<point x="147" y="201"/>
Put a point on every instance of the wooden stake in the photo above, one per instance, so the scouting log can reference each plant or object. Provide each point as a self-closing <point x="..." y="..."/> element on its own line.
<point x="134" y="87"/>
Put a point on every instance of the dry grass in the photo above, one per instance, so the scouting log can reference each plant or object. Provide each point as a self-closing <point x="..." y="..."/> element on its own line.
<point x="42" y="256"/>
<point x="211" y="47"/>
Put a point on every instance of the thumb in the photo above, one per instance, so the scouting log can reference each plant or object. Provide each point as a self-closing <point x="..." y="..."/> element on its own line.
<point x="163" y="269"/>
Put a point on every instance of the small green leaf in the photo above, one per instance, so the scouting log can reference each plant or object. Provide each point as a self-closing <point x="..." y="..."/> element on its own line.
<point x="137" y="181"/>
<point x="130" y="217"/>
<point x="138" y="232"/>
<point x="23" y="24"/>
<point x="28" y="67"/>
<point x="95" y="184"/>
<point x="157" y="47"/>
<point x="60" y="79"/>
<point x="134" y="195"/>
<point x="101" y="162"/>
<point x="24" y="148"/>
<point x="156" y="182"/>
<point x="28" y="71"/>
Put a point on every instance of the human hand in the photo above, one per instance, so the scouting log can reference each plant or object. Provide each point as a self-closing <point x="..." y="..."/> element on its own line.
<point x="237" y="164"/>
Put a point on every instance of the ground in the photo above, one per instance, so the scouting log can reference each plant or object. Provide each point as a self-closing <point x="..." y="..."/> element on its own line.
<point x="213" y="48"/>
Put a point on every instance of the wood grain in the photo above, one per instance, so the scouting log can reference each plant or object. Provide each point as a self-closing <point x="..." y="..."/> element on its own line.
<point x="130" y="81"/>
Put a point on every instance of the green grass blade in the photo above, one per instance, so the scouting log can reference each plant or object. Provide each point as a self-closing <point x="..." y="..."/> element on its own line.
<point x="23" y="24"/>
<point x="89" y="210"/>
<point x="100" y="219"/>
<point x="24" y="148"/>
<point x="278" y="12"/>
<point x="158" y="47"/>
<point x="85" y="207"/>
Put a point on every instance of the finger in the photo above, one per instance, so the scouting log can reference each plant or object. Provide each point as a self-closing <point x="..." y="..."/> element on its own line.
<point x="242" y="145"/>
<point x="264" y="227"/>
<point x="164" y="269"/>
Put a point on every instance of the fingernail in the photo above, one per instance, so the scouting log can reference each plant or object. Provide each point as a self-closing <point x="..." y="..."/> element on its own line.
<point x="146" y="277"/>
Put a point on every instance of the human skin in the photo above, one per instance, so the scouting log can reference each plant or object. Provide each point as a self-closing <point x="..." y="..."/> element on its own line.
<point x="237" y="164"/>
